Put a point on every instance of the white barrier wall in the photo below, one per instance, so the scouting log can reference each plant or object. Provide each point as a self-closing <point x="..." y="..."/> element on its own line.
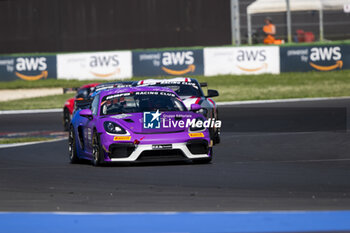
<point x="241" y="60"/>
<point x="99" y="65"/>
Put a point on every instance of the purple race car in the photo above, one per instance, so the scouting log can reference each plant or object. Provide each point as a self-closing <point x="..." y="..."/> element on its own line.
<point x="139" y="124"/>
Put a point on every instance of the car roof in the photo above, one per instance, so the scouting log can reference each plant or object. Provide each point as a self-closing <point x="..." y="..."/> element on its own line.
<point x="170" y="80"/>
<point x="111" y="85"/>
<point x="89" y="85"/>
<point x="134" y="89"/>
<point x="173" y="81"/>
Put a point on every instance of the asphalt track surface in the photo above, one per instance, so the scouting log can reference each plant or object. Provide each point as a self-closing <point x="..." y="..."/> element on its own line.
<point x="284" y="156"/>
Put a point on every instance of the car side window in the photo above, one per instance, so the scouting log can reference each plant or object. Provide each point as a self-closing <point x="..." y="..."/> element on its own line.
<point x="94" y="105"/>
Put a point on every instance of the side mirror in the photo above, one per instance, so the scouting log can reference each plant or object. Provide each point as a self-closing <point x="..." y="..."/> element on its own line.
<point x="86" y="113"/>
<point x="212" y="93"/>
<point x="195" y="107"/>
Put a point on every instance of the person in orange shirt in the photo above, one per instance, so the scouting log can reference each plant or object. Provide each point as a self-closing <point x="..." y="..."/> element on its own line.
<point x="270" y="31"/>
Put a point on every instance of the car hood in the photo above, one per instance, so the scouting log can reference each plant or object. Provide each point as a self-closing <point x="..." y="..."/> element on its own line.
<point x="169" y="122"/>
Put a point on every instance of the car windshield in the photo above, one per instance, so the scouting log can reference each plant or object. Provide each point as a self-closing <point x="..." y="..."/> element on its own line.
<point x="140" y="101"/>
<point x="182" y="88"/>
<point x="83" y="93"/>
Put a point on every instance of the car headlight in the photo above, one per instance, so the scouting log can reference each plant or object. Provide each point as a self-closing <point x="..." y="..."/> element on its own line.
<point x="114" y="128"/>
<point x="197" y="126"/>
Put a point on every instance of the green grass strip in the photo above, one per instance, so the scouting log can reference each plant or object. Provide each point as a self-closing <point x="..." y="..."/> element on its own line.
<point x="230" y="87"/>
<point x="22" y="140"/>
<point x="47" y="102"/>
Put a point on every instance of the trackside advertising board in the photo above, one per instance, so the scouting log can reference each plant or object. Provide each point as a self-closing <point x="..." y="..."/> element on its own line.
<point x="29" y="68"/>
<point x="174" y="62"/>
<point x="99" y="65"/>
<point x="241" y="60"/>
<point x="318" y="58"/>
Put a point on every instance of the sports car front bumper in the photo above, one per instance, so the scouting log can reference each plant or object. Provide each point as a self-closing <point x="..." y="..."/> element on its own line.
<point x="127" y="152"/>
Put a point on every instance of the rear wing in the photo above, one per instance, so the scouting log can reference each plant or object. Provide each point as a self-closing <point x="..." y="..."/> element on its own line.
<point x="70" y="89"/>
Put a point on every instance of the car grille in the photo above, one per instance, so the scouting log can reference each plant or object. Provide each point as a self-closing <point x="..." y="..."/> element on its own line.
<point x="198" y="146"/>
<point x="121" y="150"/>
<point x="162" y="155"/>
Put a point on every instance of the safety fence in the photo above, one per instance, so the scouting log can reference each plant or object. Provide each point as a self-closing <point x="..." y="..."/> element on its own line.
<point x="207" y="61"/>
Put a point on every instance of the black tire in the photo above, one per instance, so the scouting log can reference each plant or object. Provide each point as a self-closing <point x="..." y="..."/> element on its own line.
<point x="72" y="146"/>
<point x="217" y="131"/>
<point x="97" y="153"/>
<point x="217" y="138"/>
<point x="66" y="119"/>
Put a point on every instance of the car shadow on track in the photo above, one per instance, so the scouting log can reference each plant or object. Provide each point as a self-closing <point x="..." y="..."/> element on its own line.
<point x="144" y="164"/>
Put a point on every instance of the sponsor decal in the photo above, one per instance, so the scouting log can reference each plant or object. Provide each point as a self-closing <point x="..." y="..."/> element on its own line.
<point x="338" y="64"/>
<point x="121" y="116"/>
<point x="178" y="58"/>
<point x="158" y="120"/>
<point x="151" y="120"/>
<point x="196" y="135"/>
<point x="326" y="54"/>
<point x="30" y="64"/>
<point x="32" y="77"/>
<point x="116" y="96"/>
<point x="241" y="60"/>
<point x="104" y="62"/>
<point x="107" y="74"/>
<point x="320" y="58"/>
<point x="104" y="65"/>
<point x="168" y="63"/>
<point x="29" y="68"/>
<point x="190" y="68"/>
<point x="263" y="66"/>
<point x="249" y="57"/>
<point x="162" y="147"/>
<point x="122" y="138"/>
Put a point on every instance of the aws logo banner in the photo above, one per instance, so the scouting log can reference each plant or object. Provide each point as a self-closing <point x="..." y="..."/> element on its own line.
<point x="29" y="68"/>
<point x="241" y="60"/>
<point x="172" y="63"/>
<point x="101" y="65"/>
<point x="318" y="58"/>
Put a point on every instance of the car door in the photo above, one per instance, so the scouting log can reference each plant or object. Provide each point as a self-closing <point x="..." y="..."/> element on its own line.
<point x="90" y="124"/>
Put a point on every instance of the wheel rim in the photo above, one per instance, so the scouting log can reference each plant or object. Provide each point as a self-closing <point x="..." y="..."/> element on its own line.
<point x="95" y="150"/>
<point x="71" y="144"/>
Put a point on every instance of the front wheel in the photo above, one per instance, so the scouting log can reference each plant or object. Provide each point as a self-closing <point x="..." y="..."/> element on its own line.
<point x="97" y="153"/>
<point x="217" y="138"/>
<point x="72" y="146"/>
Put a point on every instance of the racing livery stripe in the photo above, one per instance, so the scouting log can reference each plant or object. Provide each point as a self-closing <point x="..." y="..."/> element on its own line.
<point x="189" y="101"/>
<point x="211" y="101"/>
<point x="214" y="105"/>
